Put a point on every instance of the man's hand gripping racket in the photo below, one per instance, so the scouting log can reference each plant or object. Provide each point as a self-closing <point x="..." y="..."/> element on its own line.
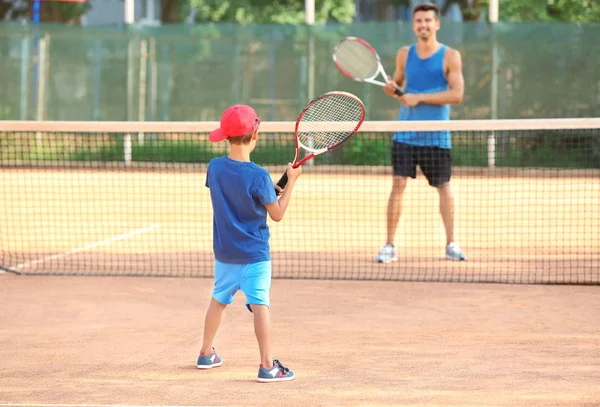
<point x="358" y="60"/>
<point x="325" y="123"/>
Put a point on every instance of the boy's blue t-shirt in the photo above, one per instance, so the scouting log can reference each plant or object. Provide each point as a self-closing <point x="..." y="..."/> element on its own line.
<point x="239" y="192"/>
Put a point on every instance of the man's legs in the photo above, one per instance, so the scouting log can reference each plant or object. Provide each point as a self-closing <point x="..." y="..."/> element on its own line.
<point x="447" y="210"/>
<point x="394" y="209"/>
<point x="436" y="164"/>
<point x="403" y="166"/>
<point x="453" y="251"/>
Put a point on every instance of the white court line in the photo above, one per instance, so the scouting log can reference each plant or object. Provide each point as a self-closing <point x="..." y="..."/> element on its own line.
<point x="86" y="405"/>
<point x="84" y="248"/>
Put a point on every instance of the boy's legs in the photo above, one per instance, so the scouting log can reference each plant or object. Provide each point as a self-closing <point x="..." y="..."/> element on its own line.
<point x="227" y="277"/>
<point x="270" y="370"/>
<point x="256" y="284"/>
<point x="262" y="329"/>
<point x="211" y="325"/>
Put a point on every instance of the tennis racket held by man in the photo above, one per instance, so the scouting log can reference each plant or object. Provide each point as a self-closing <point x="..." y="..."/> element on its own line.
<point x="358" y="60"/>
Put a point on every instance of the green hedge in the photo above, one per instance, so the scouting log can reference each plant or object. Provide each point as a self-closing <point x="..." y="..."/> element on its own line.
<point x="534" y="150"/>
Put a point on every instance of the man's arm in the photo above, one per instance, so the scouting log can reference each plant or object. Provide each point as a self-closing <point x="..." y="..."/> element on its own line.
<point x="398" y="80"/>
<point x="456" y="83"/>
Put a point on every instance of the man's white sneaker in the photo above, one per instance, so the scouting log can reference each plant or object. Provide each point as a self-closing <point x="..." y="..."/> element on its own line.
<point x="387" y="254"/>
<point x="454" y="252"/>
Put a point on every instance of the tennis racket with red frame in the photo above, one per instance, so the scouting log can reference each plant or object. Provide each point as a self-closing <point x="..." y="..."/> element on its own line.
<point x="358" y="60"/>
<point x="326" y="123"/>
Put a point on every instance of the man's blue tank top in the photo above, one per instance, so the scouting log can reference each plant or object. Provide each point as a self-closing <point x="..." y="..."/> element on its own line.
<point x="425" y="76"/>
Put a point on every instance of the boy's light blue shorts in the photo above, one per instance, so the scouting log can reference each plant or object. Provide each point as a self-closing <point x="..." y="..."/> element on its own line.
<point x="253" y="279"/>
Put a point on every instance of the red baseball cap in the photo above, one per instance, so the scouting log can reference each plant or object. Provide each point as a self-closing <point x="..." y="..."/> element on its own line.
<point x="236" y="121"/>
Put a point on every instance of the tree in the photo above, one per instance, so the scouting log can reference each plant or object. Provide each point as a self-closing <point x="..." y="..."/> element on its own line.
<point x="573" y="11"/>
<point x="12" y="9"/>
<point x="271" y="11"/>
<point x="471" y="9"/>
<point x="174" y="11"/>
<point x="63" y="12"/>
<point x="50" y="11"/>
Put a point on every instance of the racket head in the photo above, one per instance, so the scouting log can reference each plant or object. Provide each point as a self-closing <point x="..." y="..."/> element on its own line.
<point x="356" y="59"/>
<point x="327" y="122"/>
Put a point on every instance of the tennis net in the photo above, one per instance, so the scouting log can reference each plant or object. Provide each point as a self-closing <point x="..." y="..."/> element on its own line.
<point x="129" y="198"/>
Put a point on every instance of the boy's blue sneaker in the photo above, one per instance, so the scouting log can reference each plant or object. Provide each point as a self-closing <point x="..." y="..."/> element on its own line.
<point x="209" y="361"/>
<point x="277" y="373"/>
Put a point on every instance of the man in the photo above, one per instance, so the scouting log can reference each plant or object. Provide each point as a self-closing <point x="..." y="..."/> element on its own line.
<point x="430" y="74"/>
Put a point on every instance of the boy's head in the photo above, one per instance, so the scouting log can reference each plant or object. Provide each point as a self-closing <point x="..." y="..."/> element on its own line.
<point x="239" y="124"/>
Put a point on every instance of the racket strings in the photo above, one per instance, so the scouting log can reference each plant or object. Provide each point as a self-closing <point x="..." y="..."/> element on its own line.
<point x="329" y="121"/>
<point x="356" y="59"/>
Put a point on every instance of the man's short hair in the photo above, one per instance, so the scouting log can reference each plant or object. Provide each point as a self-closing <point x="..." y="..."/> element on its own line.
<point x="427" y="7"/>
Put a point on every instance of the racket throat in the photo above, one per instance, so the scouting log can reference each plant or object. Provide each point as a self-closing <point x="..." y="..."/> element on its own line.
<point x="312" y="150"/>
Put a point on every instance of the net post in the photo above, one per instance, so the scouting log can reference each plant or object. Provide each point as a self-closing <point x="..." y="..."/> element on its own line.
<point x="153" y="79"/>
<point x="96" y="74"/>
<point x="235" y="64"/>
<point x="311" y="69"/>
<point x="130" y="98"/>
<point x="166" y="79"/>
<point x="43" y="68"/>
<point x="494" y="11"/>
<point x="309" y="19"/>
<point x="24" y="76"/>
<point x="309" y="12"/>
<point x="491" y="150"/>
<point x="130" y="76"/>
<point x="129" y="12"/>
<point x="142" y="86"/>
<point x="491" y="144"/>
<point x="127" y="149"/>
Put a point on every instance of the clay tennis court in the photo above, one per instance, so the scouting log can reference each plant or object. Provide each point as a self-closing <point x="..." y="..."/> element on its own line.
<point x="522" y="226"/>
<point x="116" y="340"/>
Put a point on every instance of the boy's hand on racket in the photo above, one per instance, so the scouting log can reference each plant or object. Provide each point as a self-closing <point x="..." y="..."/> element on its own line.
<point x="325" y="123"/>
<point x="278" y="190"/>
<point x="293" y="173"/>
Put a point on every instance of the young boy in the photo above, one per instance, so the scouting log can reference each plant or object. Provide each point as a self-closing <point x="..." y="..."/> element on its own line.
<point x="242" y="193"/>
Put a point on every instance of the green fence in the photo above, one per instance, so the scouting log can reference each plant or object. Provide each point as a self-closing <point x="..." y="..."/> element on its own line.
<point x="190" y="73"/>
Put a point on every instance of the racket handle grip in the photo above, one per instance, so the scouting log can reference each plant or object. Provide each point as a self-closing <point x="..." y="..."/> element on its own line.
<point x="399" y="92"/>
<point x="282" y="182"/>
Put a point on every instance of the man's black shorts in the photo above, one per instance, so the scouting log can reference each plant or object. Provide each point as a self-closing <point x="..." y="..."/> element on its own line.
<point x="435" y="162"/>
